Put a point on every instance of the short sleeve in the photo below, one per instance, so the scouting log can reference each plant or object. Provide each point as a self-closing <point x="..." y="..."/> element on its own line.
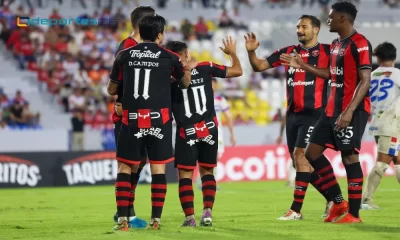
<point x="362" y="53"/>
<point x="116" y="71"/>
<point x="177" y="68"/>
<point x="215" y="70"/>
<point x="224" y="105"/>
<point x="273" y="59"/>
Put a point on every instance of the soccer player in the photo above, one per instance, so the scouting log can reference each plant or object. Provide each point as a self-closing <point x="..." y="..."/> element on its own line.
<point x="346" y="115"/>
<point x="136" y="15"/>
<point x="197" y="129"/>
<point x="385" y="100"/>
<point x="291" y="170"/>
<point x="306" y="98"/>
<point x="221" y="108"/>
<point x="145" y="71"/>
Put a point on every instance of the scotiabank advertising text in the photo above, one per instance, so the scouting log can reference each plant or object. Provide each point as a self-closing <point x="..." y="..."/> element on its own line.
<point x="270" y="162"/>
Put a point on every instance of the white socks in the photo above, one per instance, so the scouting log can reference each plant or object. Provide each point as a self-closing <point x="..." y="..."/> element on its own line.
<point x="373" y="180"/>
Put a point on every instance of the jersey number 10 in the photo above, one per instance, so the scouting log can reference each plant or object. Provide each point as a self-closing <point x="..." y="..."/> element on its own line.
<point x="383" y="86"/>
<point x="197" y="96"/>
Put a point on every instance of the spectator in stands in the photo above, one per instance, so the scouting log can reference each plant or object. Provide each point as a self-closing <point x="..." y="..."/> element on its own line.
<point x="5" y="31"/>
<point x="71" y="65"/>
<point x="186" y="29"/>
<point x="201" y="29"/>
<point x="3" y="100"/>
<point x="16" y="117"/>
<point x="173" y="35"/>
<point x="50" y="59"/>
<point x="278" y="116"/>
<point x="392" y="3"/>
<point x="76" y="100"/>
<point x="225" y="20"/>
<point x="31" y="119"/>
<point x="65" y="92"/>
<point x="23" y="51"/>
<point x="73" y="48"/>
<point x="19" y="98"/>
<point x="3" y="125"/>
<point x="21" y="11"/>
<point x="81" y="78"/>
<point x="77" y="140"/>
<point x="238" y="20"/>
<point x="55" y="15"/>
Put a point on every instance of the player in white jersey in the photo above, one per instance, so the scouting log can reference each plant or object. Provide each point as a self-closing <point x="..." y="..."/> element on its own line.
<point x="221" y="108"/>
<point x="385" y="125"/>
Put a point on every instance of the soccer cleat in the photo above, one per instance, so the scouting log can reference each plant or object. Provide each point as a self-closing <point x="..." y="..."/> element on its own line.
<point x="206" y="219"/>
<point x="189" y="223"/>
<point x="116" y="217"/>
<point x="121" y="227"/>
<point x="369" y="206"/>
<point x="155" y="225"/>
<point x="291" y="215"/>
<point x="137" y="223"/>
<point x="347" y="218"/>
<point x="327" y="209"/>
<point x="336" y="211"/>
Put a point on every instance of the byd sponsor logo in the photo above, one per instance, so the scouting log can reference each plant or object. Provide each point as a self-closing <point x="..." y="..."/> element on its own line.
<point x="18" y="171"/>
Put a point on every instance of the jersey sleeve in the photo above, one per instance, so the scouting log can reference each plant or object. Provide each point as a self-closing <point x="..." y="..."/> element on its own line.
<point x="217" y="70"/>
<point x="273" y="59"/>
<point x="362" y="53"/>
<point x="177" y="68"/>
<point x="116" y="71"/>
<point x="224" y="105"/>
<point x="396" y="77"/>
<point x="120" y="47"/>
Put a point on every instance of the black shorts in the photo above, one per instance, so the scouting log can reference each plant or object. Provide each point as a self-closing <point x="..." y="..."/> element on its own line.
<point x="133" y="143"/>
<point x="324" y="133"/>
<point x="117" y="128"/>
<point x="189" y="152"/>
<point x="299" y="127"/>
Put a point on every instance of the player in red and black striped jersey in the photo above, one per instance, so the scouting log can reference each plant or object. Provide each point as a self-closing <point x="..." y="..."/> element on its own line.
<point x="342" y="125"/>
<point x="136" y="15"/>
<point x="145" y="71"/>
<point x="306" y="98"/>
<point x="197" y="129"/>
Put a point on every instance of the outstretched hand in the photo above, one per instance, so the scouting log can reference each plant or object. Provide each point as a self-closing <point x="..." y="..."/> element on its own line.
<point x="251" y="42"/>
<point x="229" y="47"/>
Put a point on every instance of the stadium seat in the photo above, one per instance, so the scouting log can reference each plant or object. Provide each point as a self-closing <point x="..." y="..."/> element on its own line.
<point x="175" y="24"/>
<point x="195" y="54"/>
<point x="239" y="105"/>
<point x="206" y="45"/>
<point x="205" y="56"/>
<point x="194" y="45"/>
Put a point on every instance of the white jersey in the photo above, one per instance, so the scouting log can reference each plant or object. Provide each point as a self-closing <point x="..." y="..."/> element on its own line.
<point x="385" y="102"/>
<point x="221" y="105"/>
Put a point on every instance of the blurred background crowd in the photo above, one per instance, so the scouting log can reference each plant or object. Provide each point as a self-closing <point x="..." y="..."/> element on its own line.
<point x="71" y="63"/>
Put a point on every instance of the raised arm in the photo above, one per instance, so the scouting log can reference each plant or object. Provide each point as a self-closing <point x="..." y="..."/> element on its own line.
<point x="258" y="65"/>
<point x="229" y="48"/>
<point x="297" y="62"/>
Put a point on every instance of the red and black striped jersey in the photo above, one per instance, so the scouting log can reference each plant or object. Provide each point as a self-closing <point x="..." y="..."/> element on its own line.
<point x="145" y="71"/>
<point x="193" y="108"/>
<point x="347" y="57"/>
<point x="126" y="43"/>
<point x="304" y="91"/>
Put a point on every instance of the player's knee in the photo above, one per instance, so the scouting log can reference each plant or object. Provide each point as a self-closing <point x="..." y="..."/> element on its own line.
<point x="206" y="170"/>
<point x="349" y="157"/>
<point x="124" y="168"/>
<point x="185" y="173"/>
<point x="157" y="168"/>
<point x="313" y="152"/>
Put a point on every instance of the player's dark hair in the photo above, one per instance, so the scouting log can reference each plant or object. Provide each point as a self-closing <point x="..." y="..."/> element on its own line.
<point x="138" y="13"/>
<point x="177" y="46"/>
<point x="385" y="51"/>
<point x="315" y="22"/>
<point x="347" y="8"/>
<point x="150" y="27"/>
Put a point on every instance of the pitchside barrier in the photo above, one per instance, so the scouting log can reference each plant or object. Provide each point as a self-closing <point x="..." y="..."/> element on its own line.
<point x="242" y="163"/>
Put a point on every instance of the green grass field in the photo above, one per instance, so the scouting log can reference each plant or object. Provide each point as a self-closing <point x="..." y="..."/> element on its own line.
<point x="242" y="211"/>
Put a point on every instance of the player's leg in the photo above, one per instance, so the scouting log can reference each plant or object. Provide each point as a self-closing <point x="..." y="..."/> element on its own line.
<point x="348" y="142"/>
<point x="159" y="150"/>
<point x="322" y="137"/>
<point x="396" y="162"/>
<point x="387" y="151"/>
<point x="185" y="160"/>
<point x="127" y="157"/>
<point x="302" y="177"/>
<point x="207" y="162"/>
<point x="291" y="171"/>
